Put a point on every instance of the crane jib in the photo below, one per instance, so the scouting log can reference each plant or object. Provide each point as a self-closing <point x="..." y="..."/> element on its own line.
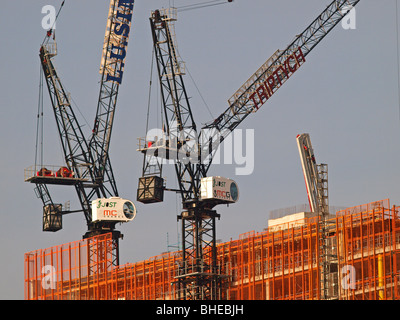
<point x="116" y="40"/>
<point x="275" y="78"/>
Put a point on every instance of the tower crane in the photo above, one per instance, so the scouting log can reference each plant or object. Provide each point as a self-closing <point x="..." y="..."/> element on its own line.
<point x="87" y="162"/>
<point x="316" y="183"/>
<point x="316" y="179"/>
<point x="192" y="150"/>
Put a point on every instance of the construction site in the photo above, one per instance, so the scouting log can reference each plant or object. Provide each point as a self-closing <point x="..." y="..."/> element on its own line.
<point x="316" y="253"/>
<point x="282" y="263"/>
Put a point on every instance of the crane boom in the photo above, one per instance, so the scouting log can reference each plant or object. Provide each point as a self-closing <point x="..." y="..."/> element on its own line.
<point x="276" y="71"/>
<point x="112" y="69"/>
<point x="74" y="144"/>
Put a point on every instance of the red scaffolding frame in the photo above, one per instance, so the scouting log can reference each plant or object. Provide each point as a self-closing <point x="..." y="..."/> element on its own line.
<point x="280" y="263"/>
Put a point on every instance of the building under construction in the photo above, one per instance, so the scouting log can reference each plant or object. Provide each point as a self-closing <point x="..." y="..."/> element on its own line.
<point x="303" y="256"/>
<point x="280" y="263"/>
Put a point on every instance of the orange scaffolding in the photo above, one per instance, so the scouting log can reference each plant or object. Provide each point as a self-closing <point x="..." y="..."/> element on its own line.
<point x="280" y="263"/>
<point x="274" y="265"/>
<point x="79" y="270"/>
<point x="368" y="240"/>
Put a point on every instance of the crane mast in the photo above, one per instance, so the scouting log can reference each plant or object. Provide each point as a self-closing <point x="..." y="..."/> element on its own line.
<point x="317" y="196"/>
<point x="199" y="276"/>
<point x="179" y="123"/>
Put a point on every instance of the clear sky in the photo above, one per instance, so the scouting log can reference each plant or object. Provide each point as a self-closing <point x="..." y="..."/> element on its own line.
<point x="345" y="96"/>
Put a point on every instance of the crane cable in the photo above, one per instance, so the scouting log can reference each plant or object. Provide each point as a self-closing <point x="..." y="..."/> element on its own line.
<point x="202" y="5"/>
<point x="39" y="124"/>
<point x="199" y="6"/>
<point x="149" y="95"/>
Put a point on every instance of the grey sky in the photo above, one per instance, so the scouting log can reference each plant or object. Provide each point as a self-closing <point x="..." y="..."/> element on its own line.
<point x="345" y="96"/>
